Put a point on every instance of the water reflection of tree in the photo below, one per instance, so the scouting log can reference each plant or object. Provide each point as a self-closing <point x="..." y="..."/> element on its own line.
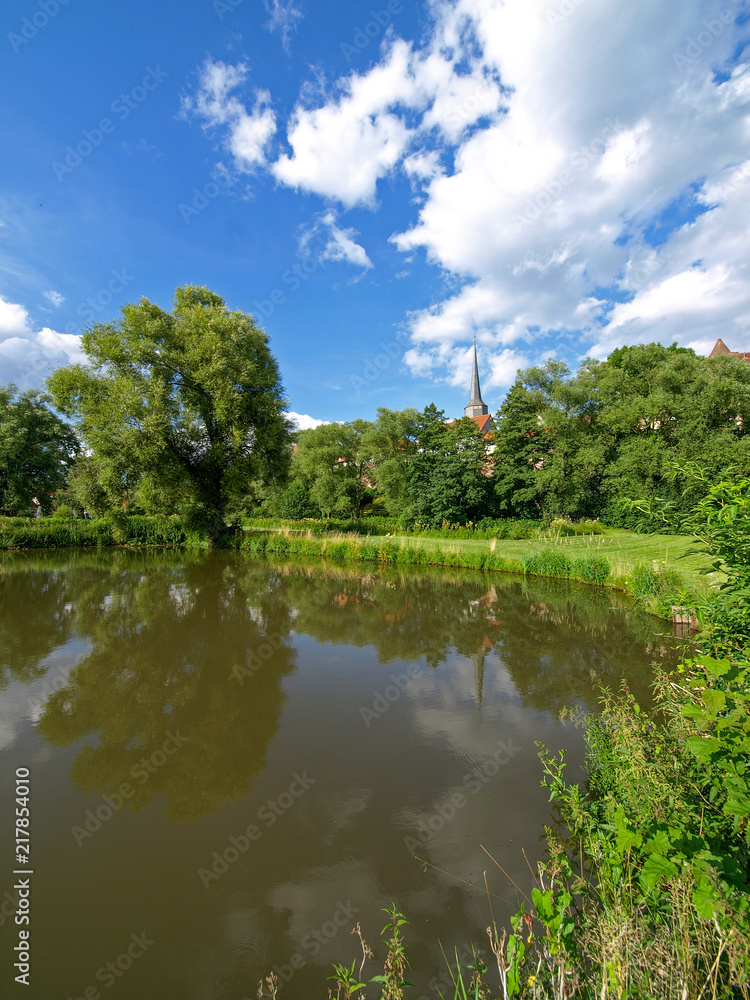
<point x="165" y="642"/>
<point x="34" y="619"/>
<point x="166" y="630"/>
<point x="560" y="642"/>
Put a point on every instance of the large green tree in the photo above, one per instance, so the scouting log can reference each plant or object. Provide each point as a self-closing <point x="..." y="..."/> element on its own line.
<point x="36" y="451"/>
<point x="333" y="462"/>
<point x="393" y="442"/>
<point x="183" y="411"/>
<point x="448" y="476"/>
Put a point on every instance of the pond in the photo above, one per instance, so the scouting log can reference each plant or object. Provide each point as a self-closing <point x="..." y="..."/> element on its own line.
<point x="232" y="762"/>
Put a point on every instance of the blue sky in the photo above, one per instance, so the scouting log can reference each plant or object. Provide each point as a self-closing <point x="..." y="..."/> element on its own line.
<point x="377" y="182"/>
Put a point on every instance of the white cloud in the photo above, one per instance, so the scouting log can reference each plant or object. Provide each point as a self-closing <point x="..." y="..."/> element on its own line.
<point x="341" y="149"/>
<point x="247" y="133"/>
<point x="54" y="298"/>
<point x="337" y="244"/>
<point x="303" y="422"/>
<point x="602" y="134"/>
<point x="547" y="150"/>
<point x="28" y="357"/>
<point x="284" y="15"/>
<point x="423" y="165"/>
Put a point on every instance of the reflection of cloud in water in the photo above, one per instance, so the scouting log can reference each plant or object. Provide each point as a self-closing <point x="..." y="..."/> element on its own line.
<point x="25" y="702"/>
<point x="311" y="902"/>
<point x="445" y="708"/>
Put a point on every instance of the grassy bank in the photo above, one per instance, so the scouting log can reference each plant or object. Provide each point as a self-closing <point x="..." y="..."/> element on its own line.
<point x="659" y="570"/>
<point x="53" y="533"/>
<point x="645" y="566"/>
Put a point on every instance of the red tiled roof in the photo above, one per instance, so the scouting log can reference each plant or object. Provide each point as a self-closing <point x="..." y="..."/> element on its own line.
<point x="721" y="348"/>
<point x="482" y="421"/>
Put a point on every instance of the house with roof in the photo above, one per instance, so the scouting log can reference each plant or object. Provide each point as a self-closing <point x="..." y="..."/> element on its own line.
<point x="721" y="348"/>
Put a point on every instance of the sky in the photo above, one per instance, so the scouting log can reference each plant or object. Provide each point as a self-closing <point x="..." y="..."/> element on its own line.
<point x="378" y="182"/>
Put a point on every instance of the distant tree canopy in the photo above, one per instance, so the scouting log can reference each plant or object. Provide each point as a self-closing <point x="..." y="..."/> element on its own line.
<point x="575" y="444"/>
<point x="181" y="412"/>
<point x="331" y="463"/>
<point x="418" y="466"/>
<point x="36" y="451"/>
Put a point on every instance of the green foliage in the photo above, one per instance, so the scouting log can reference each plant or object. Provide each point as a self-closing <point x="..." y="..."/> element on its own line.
<point x="63" y="513"/>
<point x="547" y="563"/>
<point x="183" y="411"/>
<point x="393" y="442"/>
<point x="331" y="465"/>
<point x="63" y="532"/>
<point x="447" y="478"/>
<point x="573" y="445"/>
<point x="392" y="982"/>
<point x="566" y="528"/>
<point x="591" y="569"/>
<point x="36" y="452"/>
<point x="295" y="503"/>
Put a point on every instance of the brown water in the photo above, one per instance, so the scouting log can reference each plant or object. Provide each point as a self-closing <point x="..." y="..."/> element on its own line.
<point x="233" y="762"/>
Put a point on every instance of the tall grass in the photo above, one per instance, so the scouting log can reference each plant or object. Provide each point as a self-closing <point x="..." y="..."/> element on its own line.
<point x="53" y="533"/>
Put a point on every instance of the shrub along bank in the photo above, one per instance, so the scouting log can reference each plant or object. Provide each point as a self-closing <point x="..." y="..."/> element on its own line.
<point x="53" y="532"/>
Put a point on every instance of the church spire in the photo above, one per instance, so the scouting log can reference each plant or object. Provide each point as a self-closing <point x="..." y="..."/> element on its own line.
<point x="477" y="406"/>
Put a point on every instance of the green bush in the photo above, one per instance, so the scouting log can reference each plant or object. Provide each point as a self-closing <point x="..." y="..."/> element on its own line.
<point x="547" y="563"/>
<point x="591" y="569"/>
<point x="562" y="526"/>
<point x="647" y="581"/>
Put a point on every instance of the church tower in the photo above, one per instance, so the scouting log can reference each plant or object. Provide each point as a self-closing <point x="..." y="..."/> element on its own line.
<point x="477" y="406"/>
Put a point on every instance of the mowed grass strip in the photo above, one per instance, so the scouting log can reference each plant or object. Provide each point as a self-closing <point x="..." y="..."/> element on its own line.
<point x="624" y="550"/>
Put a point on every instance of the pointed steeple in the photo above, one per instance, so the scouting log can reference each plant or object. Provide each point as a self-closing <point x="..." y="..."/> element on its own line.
<point x="477" y="406"/>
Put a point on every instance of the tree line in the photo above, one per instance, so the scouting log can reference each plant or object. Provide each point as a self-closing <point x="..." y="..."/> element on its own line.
<point x="184" y="413"/>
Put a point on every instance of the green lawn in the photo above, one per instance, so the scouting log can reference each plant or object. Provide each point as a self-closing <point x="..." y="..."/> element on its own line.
<point x="623" y="549"/>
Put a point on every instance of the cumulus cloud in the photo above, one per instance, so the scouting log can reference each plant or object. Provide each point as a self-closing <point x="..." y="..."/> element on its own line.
<point x="341" y="148"/>
<point x="581" y="170"/>
<point x="303" y="422"/>
<point x="29" y="356"/>
<point x="246" y="133"/>
<point x="553" y="211"/>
